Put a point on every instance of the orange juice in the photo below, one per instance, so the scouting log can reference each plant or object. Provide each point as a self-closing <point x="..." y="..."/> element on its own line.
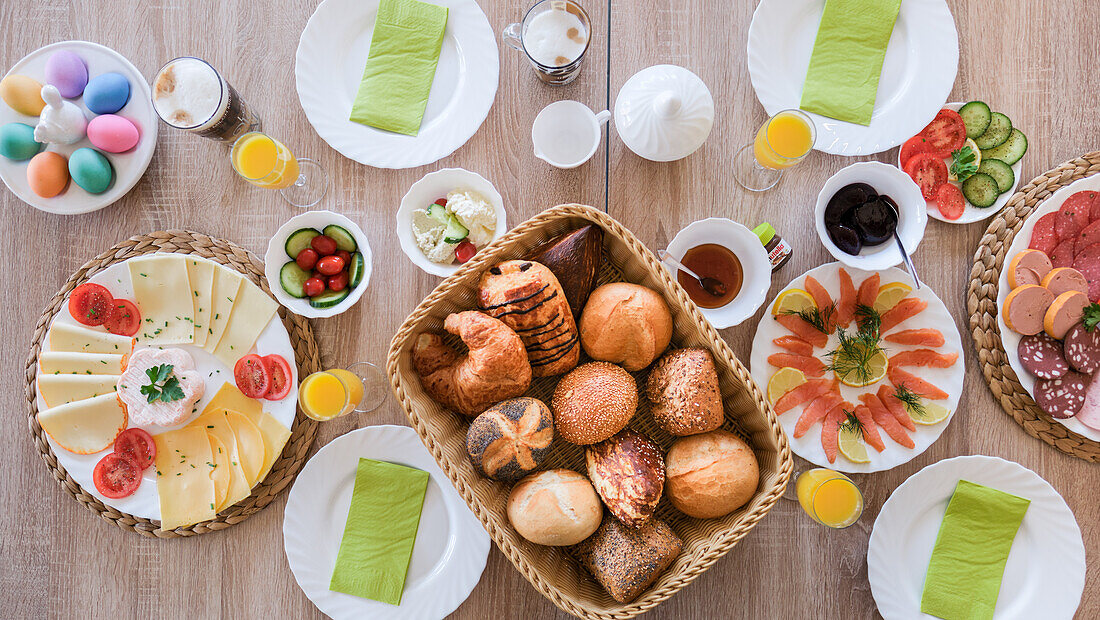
<point x="322" y="396"/>
<point x="264" y="161"/>
<point x="354" y="386"/>
<point x="829" y="497"/>
<point x="784" y="140"/>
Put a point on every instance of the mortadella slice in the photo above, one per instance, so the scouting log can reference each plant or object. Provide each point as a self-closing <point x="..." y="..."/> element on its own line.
<point x="1025" y="307"/>
<point x="1089" y="415"/>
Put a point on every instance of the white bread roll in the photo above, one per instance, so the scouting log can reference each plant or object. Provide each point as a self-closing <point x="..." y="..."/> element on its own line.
<point x="710" y="475"/>
<point x="557" y="507"/>
<point x="625" y="324"/>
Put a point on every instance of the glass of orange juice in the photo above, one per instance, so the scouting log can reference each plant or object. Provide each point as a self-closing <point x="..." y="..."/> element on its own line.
<point x="781" y="142"/>
<point x="829" y="497"/>
<point x="265" y="162"/>
<point x="329" y="394"/>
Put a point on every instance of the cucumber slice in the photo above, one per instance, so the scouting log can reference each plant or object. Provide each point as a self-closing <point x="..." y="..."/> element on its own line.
<point x="329" y="299"/>
<point x="440" y="213"/>
<point x="976" y="116"/>
<point x="1011" y="150"/>
<point x="299" y="240"/>
<point x="1000" y="126"/>
<point x="1001" y="172"/>
<point x="344" y="240"/>
<point x="356" y="269"/>
<point x="455" y="232"/>
<point x="293" y="278"/>
<point x="980" y="190"/>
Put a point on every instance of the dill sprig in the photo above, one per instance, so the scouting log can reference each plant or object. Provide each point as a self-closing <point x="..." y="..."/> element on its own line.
<point x="819" y="318"/>
<point x="910" y="399"/>
<point x="868" y="318"/>
<point x="854" y="352"/>
<point x="852" y="422"/>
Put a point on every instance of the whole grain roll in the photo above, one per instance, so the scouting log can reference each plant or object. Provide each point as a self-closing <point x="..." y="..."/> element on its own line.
<point x="510" y="439"/>
<point x="593" y="402"/>
<point x="711" y="475"/>
<point x="556" y="507"/>
<point x="683" y="391"/>
<point x="628" y="560"/>
<point x="628" y="471"/>
<point x="627" y="324"/>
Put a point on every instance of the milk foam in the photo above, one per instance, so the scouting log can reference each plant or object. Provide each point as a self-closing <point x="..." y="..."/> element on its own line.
<point x="188" y="92"/>
<point x="555" y="38"/>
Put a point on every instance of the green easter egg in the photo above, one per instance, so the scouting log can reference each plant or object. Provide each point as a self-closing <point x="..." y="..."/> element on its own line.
<point x="17" y="141"/>
<point x="91" y="170"/>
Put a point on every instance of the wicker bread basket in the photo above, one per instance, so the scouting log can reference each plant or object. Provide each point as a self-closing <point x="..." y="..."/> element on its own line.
<point x="553" y="571"/>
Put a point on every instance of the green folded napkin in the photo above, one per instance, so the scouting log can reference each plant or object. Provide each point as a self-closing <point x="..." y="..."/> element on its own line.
<point x="842" y="80"/>
<point x="968" y="561"/>
<point x="404" y="50"/>
<point x="378" y="538"/>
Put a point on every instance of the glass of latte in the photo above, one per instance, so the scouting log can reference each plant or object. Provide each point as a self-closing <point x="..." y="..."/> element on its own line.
<point x="189" y="94"/>
<point x="554" y="34"/>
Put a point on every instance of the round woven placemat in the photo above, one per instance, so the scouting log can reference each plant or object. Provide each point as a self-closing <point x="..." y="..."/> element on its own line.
<point x="305" y="353"/>
<point x="981" y="302"/>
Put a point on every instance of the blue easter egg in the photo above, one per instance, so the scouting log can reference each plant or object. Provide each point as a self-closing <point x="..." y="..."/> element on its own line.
<point x="91" y="170"/>
<point x="107" y="93"/>
<point x="17" y="141"/>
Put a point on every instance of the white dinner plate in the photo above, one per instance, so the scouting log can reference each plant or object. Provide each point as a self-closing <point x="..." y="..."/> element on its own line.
<point x="329" y="67"/>
<point x="145" y="502"/>
<point x="451" y="546"/>
<point x="949" y="380"/>
<point x="128" y="166"/>
<point x="1010" y="339"/>
<point x="1045" y="573"/>
<point x="918" y="71"/>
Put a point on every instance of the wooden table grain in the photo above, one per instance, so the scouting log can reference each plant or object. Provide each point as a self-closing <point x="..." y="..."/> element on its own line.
<point x="1035" y="60"/>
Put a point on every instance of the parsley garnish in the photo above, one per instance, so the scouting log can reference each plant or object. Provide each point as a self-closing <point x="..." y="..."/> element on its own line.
<point x="962" y="163"/>
<point x="1091" y="316"/>
<point x="163" y="386"/>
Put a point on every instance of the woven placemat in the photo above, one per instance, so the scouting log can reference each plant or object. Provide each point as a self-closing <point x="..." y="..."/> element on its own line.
<point x="981" y="302"/>
<point x="306" y="354"/>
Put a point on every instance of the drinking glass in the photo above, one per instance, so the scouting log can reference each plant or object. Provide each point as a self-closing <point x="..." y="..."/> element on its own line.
<point x="829" y="497"/>
<point x="265" y="162"/>
<point x="781" y="142"/>
<point x="231" y="117"/>
<point x="552" y="70"/>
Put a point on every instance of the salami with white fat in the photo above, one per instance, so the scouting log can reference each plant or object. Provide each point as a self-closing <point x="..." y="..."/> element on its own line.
<point x="1062" y="397"/>
<point x="1042" y="356"/>
<point x="1082" y="349"/>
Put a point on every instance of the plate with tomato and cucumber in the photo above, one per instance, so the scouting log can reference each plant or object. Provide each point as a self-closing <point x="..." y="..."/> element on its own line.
<point x="966" y="161"/>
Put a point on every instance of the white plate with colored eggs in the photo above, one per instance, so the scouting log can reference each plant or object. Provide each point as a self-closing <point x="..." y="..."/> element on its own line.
<point x="109" y="77"/>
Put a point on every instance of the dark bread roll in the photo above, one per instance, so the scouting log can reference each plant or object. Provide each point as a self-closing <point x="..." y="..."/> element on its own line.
<point x="683" y="389"/>
<point x="626" y="560"/>
<point x="575" y="259"/>
<point x="628" y="471"/>
<point x="593" y="402"/>
<point x="511" y="439"/>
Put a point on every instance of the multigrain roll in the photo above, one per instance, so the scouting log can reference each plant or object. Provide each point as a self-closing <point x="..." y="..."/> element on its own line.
<point x="510" y="439"/>
<point x="628" y="560"/>
<point x="593" y="402"/>
<point x="556" y="508"/>
<point x="684" y="394"/>
<point x="711" y="475"/>
<point x="627" y="324"/>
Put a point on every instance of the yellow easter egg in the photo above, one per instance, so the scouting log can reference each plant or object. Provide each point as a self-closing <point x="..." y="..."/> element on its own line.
<point x="23" y="94"/>
<point x="48" y="174"/>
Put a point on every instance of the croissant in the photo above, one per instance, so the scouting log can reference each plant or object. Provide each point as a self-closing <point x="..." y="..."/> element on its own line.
<point x="495" y="369"/>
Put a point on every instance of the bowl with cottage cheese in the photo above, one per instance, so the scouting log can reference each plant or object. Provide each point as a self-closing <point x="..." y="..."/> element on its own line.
<point x="447" y="217"/>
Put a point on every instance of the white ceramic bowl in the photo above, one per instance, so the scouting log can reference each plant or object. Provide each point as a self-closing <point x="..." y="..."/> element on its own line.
<point x="276" y="257"/>
<point x="754" y="262"/>
<point x="427" y="190"/>
<point x="888" y="180"/>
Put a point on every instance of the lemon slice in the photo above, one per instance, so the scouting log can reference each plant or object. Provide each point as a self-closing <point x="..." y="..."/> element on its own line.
<point x="793" y="300"/>
<point x="871" y="372"/>
<point x="890" y="294"/>
<point x="851" y="444"/>
<point x="783" y="381"/>
<point x="930" y="413"/>
<point x="977" y="159"/>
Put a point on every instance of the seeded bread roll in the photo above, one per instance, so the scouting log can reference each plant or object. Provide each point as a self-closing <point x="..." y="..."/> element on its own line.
<point x="626" y="324"/>
<point x="711" y="475"/>
<point x="683" y="390"/>
<point x="510" y="439"/>
<point x="626" y="560"/>
<point x="593" y="402"/>
<point x="556" y="508"/>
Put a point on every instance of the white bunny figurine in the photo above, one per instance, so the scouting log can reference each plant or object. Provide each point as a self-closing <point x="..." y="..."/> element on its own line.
<point x="61" y="121"/>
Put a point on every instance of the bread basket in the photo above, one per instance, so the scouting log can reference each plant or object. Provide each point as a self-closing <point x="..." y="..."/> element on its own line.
<point x="553" y="571"/>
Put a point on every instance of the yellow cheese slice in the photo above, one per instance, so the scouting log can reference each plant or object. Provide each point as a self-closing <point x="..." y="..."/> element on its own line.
<point x="186" y="490"/>
<point x="68" y="363"/>
<point x="217" y="425"/>
<point x="250" y="445"/>
<point x="74" y="338"/>
<point x="60" y="389"/>
<point x="221" y="474"/>
<point x="230" y="397"/>
<point x="223" y="291"/>
<point x="252" y="310"/>
<point x="86" y="426"/>
<point x="162" y="293"/>
<point x="200" y="275"/>
<point x="275" y="437"/>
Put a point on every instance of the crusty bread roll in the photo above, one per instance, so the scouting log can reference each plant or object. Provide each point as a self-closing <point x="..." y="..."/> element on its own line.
<point x="626" y="324"/>
<point x="510" y="439"/>
<point x="628" y="560"/>
<point x="593" y="402"/>
<point x="684" y="393"/>
<point x="628" y="471"/>
<point x="556" y="507"/>
<point x="710" y="475"/>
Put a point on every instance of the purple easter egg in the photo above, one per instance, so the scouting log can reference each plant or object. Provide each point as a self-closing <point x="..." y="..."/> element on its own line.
<point x="67" y="72"/>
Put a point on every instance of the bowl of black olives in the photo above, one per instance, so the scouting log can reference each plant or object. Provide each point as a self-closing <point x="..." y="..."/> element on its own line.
<point x="860" y="209"/>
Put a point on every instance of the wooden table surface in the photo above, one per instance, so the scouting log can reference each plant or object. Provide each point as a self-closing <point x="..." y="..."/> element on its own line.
<point x="1034" y="60"/>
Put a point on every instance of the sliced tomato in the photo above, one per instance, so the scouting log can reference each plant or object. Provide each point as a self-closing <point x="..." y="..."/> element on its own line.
<point x="125" y="318"/>
<point x="279" y="371"/>
<point x="116" y="475"/>
<point x="946" y="132"/>
<point x="251" y="376"/>
<point x="913" y="146"/>
<point x="138" y="445"/>
<point x="950" y="201"/>
<point x="929" y="172"/>
<point x="91" y="304"/>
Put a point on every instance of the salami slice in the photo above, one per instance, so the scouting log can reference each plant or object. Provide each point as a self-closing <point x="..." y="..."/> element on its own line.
<point x="1062" y="256"/>
<point x="1087" y="262"/>
<point x="1089" y="235"/>
<point x="1082" y="349"/>
<point x="1094" y="212"/>
<point x="1062" y="397"/>
<point x="1043" y="237"/>
<point x="1042" y="356"/>
<point x="1075" y="214"/>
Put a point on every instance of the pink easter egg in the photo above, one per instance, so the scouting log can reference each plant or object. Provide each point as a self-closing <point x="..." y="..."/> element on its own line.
<point x="112" y="133"/>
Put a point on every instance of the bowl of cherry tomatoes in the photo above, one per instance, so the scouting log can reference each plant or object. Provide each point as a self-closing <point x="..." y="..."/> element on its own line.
<point x="318" y="264"/>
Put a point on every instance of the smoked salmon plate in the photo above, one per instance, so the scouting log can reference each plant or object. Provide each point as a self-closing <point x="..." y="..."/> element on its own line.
<point x="863" y="370"/>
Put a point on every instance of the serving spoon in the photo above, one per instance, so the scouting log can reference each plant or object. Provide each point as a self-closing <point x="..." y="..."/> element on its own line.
<point x="904" y="255"/>
<point x="712" y="286"/>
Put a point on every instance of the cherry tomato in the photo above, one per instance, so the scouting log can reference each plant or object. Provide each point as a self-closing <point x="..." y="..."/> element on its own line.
<point x="913" y="146"/>
<point x="91" y="304"/>
<point x="125" y="318"/>
<point x="313" y="287"/>
<point x="337" y="282"/>
<point x="116" y="475"/>
<point x="324" y="245"/>
<point x="929" y="172"/>
<point x="138" y="445"/>
<point x="950" y="201"/>
<point x="279" y="370"/>
<point x="946" y="133"/>
<point x="441" y="202"/>
<point x="330" y="265"/>
<point x="465" y="251"/>
<point x="344" y="254"/>
<point x="307" y="258"/>
<point x="251" y="376"/>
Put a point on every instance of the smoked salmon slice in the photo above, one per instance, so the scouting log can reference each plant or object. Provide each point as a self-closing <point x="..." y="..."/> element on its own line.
<point x="906" y="308"/>
<point x="868" y="291"/>
<point x="811" y="366"/>
<point x="799" y="327"/>
<point x="816" y="412"/>
<point x="823" y="300"/>
<point x="870" y="433"/>
<point x="926" y="337"/>
<point x="886" y="420"/>
<point x="803" y="393"/>
<point x="924" y="357"/>
<point x="794" y="344"/>
<point x="830" y="428"/>
<point x="846" y="305"/>
<point x="914" y="383"/>
<point x="895" y="407"/>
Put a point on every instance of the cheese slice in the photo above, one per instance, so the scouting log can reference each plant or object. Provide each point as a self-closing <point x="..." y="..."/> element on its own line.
<point x="223" y="291"/>
<point x="250" y="445"/>
<point x="221" y="474"/>
<point x="76" y="339"/>
<point x="86" y="426"/>
<point x="186" y="490"/>
<point x="67" y="363"/>
<point x="60" y="389"/>
<point x="216" y="424"/>
<point x="275" y="435"/>
<point x="162" y="293"/>
<point x="230" y="397"/>
<point x="200" y="275"/>
<point x="252" y="310"/>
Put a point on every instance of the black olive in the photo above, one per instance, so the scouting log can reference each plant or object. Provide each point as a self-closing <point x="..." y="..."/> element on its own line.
<point x="875" y="220"/>
<point x="845" y="238"/>
<point x="845" y="199"/>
